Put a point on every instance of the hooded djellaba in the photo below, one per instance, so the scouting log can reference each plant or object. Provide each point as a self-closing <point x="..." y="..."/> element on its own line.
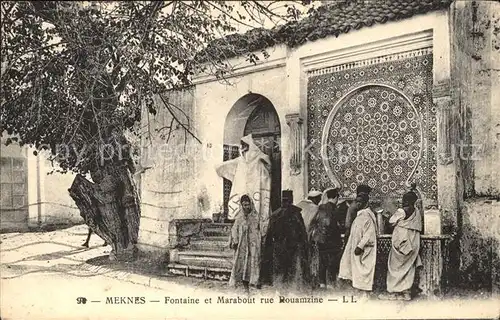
<point x="249" y="174"/>
<point x="286" y="252"/>
<point x="245" y="239"/>
<point x="404" y="257"/>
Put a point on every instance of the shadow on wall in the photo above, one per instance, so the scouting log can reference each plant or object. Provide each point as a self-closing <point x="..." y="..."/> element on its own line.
<point x="480" y="246"/>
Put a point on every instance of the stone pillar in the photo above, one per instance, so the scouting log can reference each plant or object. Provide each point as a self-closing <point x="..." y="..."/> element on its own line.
<point x="294" y="121"/>
<point x="297" y="101"/>
<point x="447" y="161"/>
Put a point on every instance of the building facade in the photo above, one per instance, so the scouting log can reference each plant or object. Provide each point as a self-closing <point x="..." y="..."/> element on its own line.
<point x="387" y="96"/>
<point x="31" y="197"/>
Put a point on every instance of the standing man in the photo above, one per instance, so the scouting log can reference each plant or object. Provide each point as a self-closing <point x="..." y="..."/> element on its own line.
<point x="404" y="256"/>
<point x="326" y="241"/>
<point x="286" y="246"/>
<point x="359" y="257"/>
<point x="309" y="207"/>
<point x="353" y="209"/>
<point x="250" y="174"/>
<point x="245" y="239"/>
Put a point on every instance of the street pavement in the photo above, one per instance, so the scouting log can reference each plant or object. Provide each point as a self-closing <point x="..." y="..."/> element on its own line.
<point x="43" y="275"/>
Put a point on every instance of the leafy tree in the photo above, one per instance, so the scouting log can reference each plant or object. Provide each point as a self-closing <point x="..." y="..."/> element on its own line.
<point x="76" y="75"/>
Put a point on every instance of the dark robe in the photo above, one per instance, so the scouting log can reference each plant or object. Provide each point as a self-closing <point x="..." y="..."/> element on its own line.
<point x="286" y="249"/>
<point x="326" y="244"/>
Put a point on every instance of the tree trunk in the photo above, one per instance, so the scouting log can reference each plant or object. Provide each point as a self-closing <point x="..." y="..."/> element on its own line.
<point x="110" y="207"/>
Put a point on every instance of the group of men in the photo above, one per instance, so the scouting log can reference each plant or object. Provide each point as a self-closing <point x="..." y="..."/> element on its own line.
<point x="360" y="253"/>
<point x="300" y="246"/>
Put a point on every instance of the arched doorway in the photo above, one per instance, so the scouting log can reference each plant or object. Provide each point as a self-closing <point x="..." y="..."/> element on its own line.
<point x="264" y="126"/>
<point x="254" y="114"/>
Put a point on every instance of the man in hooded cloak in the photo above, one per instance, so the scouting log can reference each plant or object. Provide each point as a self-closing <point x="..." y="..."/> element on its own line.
<point x="250" y="174"/>
<point x="245" y="239"/>
<point x="404" y="256"/>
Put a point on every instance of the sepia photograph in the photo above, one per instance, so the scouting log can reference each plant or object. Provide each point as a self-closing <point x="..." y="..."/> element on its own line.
<point x="250" y="159"/>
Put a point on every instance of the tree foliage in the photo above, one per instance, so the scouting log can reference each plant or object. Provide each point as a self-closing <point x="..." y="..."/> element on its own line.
<point x="74" y="72"/>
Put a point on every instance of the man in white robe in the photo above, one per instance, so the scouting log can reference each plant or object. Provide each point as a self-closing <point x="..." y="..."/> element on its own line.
<point x="404" y="256"/>
<point x="250" y="174"/>
<point x="359" y="257"/>
<point x="353" y="209"/>
<point x="310" y="207"/>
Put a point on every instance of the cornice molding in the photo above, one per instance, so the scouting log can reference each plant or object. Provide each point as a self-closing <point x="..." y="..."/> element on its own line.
<point x="367" y="53"/>
<point x="241" y="71"/>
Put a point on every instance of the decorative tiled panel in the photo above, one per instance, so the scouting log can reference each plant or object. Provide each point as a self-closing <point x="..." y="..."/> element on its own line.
<point x="373" y="123"/>
<point x="230" y="152"/>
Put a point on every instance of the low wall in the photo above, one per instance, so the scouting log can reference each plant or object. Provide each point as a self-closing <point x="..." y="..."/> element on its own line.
<point x="434" y="278"/>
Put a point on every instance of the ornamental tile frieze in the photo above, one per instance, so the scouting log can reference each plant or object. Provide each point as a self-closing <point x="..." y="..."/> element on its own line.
<point x="375" y="125"/>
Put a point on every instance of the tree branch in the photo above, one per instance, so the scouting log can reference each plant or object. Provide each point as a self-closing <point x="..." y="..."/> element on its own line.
<point x="167" y="105"/>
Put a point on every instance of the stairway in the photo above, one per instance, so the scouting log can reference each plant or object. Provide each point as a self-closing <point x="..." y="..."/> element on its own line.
<point x="205" y="254"/>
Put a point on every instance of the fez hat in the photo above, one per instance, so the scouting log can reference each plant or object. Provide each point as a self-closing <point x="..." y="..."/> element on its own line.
<point x="410" y="197"/>
<point x="363" y="196"/>
<point x="287" y="194"/>
<point x="363" y="188"/>
<point x="332" y="190"/>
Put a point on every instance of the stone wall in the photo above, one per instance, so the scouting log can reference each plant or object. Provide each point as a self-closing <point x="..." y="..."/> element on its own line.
<point x="480" y="244"/>
<point x="58" y="208"/>
<point x="168" y="157"/>
<point x="476" y="79"/>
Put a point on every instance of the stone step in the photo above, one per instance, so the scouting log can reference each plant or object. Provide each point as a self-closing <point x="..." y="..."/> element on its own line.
<point x="217" y="229"/>
<point x="206" y="253"/>
<point x="205" y="261"/>
<point x="213" y="273"/>
<point x="220" y="225"/>
<point x="220" y="238"/>
<point x="209" y="245"/>
<point x="208" y="234"/>
<point x="216" y="232"/>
